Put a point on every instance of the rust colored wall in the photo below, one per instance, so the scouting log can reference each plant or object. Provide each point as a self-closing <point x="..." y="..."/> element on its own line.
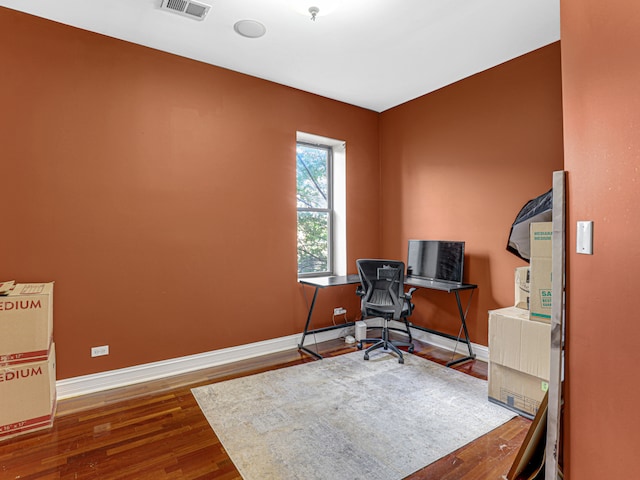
<point x="601" y="90"/>
<point x="459" y="163"/>
<point x="159" y="194"/>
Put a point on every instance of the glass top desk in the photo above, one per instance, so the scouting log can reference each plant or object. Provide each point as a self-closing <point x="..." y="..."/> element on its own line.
<point x="410" y="281"/>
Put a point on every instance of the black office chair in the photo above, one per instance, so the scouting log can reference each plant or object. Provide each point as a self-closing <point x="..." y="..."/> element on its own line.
<point x="383" y="295"/>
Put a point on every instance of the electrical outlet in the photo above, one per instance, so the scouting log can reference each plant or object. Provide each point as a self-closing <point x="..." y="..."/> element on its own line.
<point x="339" y="311"/>
<point x="100" y="351"/>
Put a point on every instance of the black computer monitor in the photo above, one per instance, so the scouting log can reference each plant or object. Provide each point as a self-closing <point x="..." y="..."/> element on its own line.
<point x="436" y="260"/>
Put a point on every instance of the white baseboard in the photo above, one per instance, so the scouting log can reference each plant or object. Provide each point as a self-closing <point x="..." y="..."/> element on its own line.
<point x="73" y="387"/>
<point x="96" y="382"/>
<point x="481" y="351"/>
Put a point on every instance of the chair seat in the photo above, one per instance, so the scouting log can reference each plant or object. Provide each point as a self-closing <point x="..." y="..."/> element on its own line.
<point x="382" y="311"/>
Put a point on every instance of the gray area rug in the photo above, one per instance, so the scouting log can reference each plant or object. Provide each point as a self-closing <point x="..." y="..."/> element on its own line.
<point x="346" y="418"/>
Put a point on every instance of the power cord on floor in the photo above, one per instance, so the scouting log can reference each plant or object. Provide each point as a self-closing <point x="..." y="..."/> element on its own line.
<point x="346" y="332"/>
<point x="343" y="315"/>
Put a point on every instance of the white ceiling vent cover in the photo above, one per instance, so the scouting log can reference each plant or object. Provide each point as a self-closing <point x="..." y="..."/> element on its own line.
<point x="186" y="8"/>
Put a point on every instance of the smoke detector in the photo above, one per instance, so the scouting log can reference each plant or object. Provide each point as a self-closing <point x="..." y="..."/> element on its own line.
<point x="186" y="8"/>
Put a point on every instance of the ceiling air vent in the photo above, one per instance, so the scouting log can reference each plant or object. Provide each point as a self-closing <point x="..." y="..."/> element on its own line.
<point x="186" y="8"/>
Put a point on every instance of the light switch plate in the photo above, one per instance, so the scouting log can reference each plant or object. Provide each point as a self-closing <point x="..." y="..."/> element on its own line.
<point x="584" y="237"/>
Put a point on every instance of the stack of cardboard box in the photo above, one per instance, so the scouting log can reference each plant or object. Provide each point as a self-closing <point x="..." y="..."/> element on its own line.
<point x="27" y="358"/>
<point x="520" y="336"/>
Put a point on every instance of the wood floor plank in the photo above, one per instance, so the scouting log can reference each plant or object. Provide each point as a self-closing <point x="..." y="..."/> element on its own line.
<point x="157" y="431"/>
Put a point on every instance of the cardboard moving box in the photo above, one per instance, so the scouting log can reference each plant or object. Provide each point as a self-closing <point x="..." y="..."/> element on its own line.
<point x="26" y="323"/>
<point x="27" y="396"/>
<point x="520" y="392"/>
<point x="540" y="299"/>
<point x="519" y="359"/>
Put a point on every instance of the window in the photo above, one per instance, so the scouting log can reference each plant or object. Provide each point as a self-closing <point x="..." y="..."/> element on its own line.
<point x="315" y="208"/>
<point x="321" y="168"/>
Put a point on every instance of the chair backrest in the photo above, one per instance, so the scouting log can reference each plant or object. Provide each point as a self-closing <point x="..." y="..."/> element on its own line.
<point x="383" y="285"/>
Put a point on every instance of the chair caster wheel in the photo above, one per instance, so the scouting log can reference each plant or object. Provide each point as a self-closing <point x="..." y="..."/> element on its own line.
<point x="359" y="345"/>
<point x="366" y="357"/>
<point x="401" y="360"/>
<point x="410" y="350"/>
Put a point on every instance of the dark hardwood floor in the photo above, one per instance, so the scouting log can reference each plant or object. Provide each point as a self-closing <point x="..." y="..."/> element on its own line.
<point x="156" y="431"/>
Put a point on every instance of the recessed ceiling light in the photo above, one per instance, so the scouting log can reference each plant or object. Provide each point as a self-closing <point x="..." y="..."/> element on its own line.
<point x="250" y="28"/>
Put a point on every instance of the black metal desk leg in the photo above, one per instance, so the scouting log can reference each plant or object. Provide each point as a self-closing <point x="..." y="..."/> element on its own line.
<point x="306" y="328"/>
<point x="463" y="319"/>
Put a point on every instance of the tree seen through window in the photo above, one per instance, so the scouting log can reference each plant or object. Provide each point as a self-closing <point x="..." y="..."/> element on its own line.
<point x="313" y="180"/>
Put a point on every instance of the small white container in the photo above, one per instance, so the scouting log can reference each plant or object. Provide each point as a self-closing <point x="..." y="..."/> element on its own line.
<point x="361" y="330"/>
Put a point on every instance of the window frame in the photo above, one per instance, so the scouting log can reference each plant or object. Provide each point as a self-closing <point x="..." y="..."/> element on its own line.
<point x="329" y="210"/>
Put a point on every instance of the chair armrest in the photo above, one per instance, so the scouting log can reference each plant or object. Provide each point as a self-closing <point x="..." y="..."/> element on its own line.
<point x="407" y="299"/>
<point x="408" y="294"/>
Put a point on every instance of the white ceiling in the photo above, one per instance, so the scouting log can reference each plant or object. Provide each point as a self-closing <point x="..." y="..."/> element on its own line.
<point x="374" y="54"/>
